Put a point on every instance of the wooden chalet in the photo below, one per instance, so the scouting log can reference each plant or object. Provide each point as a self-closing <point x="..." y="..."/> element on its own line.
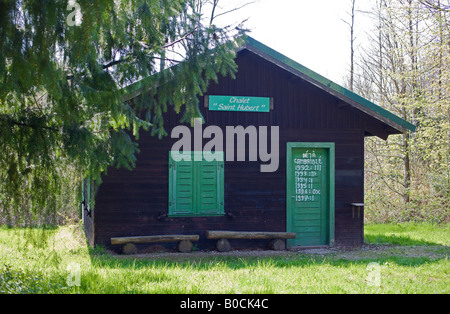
<point x="311" y="194"/>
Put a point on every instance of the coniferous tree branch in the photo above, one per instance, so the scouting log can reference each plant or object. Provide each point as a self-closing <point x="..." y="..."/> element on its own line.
<point x="61" y="106"/>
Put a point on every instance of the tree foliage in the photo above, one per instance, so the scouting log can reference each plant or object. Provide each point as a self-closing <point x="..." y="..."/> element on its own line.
<point x="64" y="69"/>
<point x="406" y="70"/>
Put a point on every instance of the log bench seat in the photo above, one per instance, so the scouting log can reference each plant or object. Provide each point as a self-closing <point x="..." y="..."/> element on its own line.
<point x="129" y="247"/>
<point x="277" y="239"/>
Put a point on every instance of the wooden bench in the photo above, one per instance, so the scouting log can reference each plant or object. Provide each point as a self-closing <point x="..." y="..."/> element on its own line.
<point x="129" y="247"/>
<point x="277" y="242"/>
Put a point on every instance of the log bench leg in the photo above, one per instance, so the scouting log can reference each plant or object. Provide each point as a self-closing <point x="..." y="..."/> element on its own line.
<point x="185" y="246"/>
<point x="277" y="245"/>
<point x="129" y="249"/>
<point x="223" y="245"/>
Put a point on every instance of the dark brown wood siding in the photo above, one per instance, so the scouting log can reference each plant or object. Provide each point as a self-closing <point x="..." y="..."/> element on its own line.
<point x="129" y="203"/>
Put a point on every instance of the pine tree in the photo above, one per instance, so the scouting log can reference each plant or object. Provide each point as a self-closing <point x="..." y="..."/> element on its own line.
<point x="64" y="69"/>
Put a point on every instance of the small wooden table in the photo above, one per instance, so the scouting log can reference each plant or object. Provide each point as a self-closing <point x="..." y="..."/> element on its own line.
<point x="357" y="206"/>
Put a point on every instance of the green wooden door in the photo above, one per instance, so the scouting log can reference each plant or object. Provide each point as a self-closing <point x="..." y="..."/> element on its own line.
<point x="310" y="193"/>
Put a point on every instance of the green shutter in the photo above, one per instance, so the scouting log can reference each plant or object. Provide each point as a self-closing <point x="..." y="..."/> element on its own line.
<point x="182" y="198"/>
<point x="196" y="187"/>
<point x="209" y="178"/>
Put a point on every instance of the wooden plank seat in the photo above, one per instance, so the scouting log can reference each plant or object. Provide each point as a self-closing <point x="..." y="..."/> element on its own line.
<point x="277" y="242"/>
<point x="129" y="247"/>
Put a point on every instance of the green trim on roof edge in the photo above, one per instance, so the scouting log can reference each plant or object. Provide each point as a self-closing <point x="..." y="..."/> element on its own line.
<point x="327" y="83"/>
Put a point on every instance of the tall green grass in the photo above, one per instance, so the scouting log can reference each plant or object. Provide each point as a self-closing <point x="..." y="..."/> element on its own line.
<point x="45" y="263"/>
<point x="408" y="234"/>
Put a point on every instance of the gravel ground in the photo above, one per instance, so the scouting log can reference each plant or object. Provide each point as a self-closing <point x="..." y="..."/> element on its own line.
<point x="365" y="252"/>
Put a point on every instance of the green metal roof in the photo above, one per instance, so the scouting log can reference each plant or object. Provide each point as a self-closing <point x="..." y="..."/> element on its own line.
<point x="329" y="86"/>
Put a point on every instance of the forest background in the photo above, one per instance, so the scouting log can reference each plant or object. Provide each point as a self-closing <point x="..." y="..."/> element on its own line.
<point x="406" y="69"/>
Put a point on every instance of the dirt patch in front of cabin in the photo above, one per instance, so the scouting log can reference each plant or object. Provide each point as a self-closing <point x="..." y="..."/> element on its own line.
<point x="365" y="252"/>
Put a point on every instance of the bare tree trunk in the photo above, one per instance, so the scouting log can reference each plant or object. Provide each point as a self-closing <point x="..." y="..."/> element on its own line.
<point x="415" y="95"/>
<point x="352" y="46"/>
<point x="407" y="165"/>
<point x="351" y="26"/>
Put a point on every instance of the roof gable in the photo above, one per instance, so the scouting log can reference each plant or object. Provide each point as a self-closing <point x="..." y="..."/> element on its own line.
<point x="325" y="84"/>
<point x="345" y="95"/>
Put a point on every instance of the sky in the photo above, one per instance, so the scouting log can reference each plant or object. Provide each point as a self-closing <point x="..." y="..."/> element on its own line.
<point x="311" y="32"/>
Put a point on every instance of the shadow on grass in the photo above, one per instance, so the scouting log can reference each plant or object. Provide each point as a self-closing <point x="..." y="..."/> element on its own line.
<point x="389" y="239"/>
<point x="397" y="240"/>
<point x="205" y="262"/>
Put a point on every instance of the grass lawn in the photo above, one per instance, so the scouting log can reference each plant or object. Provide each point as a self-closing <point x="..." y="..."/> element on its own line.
<point x="406" y="258"/>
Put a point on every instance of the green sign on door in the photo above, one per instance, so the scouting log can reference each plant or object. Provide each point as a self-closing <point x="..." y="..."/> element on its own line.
<point x="310" y="187"/>
<point x="239" y="103"/>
